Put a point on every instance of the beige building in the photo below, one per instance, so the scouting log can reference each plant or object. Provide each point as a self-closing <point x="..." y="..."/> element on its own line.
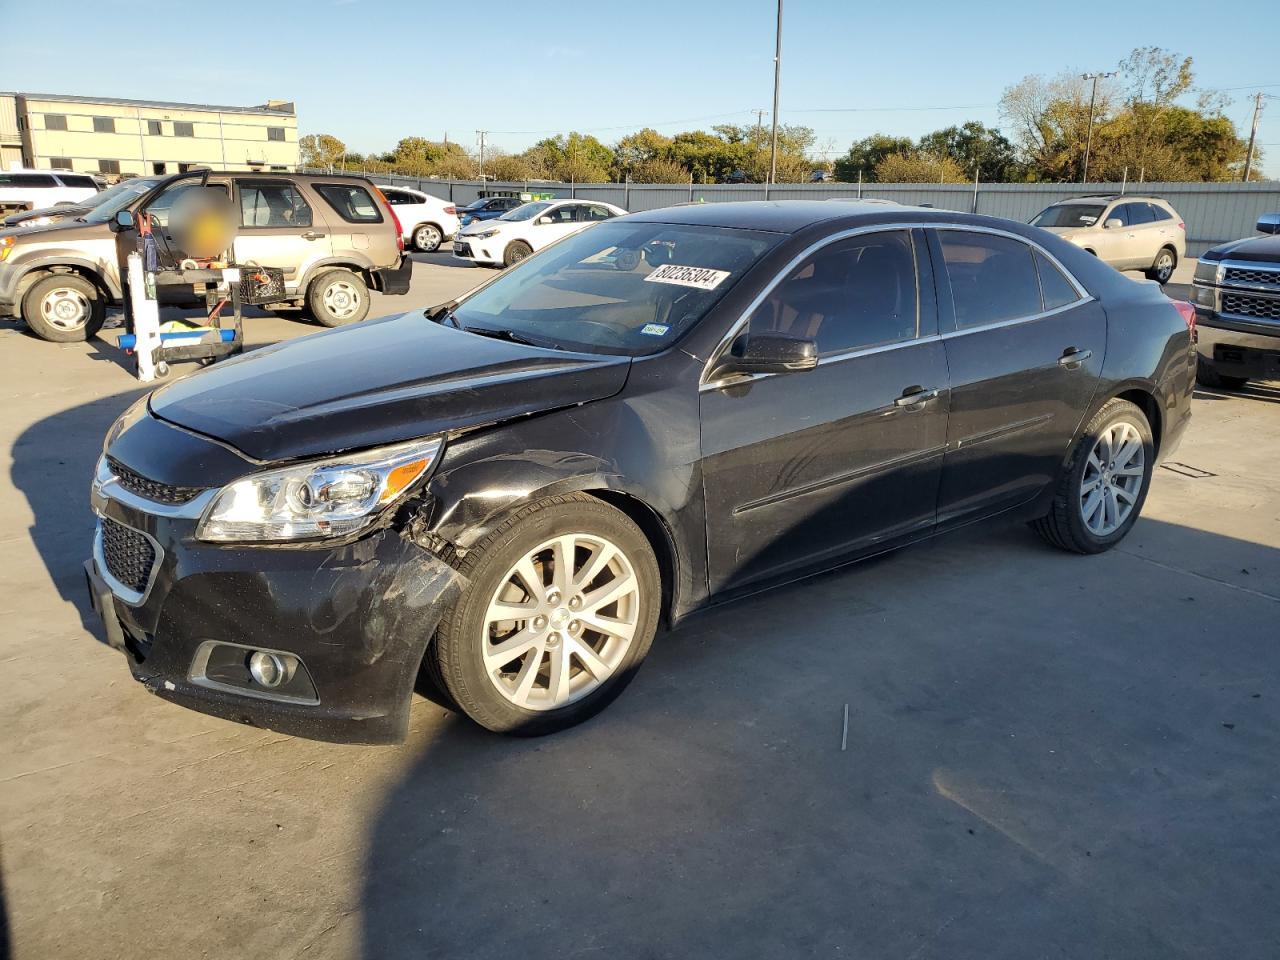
<point x="111" y="136"/>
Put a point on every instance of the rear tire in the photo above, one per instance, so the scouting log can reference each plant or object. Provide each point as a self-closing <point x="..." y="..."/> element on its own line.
<point x="516" y="251"/>
<point x="1206" y="376"/>
<point x="1161" y="271"/>
<point x="1102" y="488"/>
<point x="553" y="625"/>
<point x="64" y="308"/>
<point x="338" y="297"/>
<point x="427" y="238"/>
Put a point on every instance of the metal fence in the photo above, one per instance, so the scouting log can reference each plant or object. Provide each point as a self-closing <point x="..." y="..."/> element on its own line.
<point x="1213" y="212"/>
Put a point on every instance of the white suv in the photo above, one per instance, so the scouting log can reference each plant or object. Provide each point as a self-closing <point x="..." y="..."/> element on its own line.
<point x="1127" y="231"/>
<point x="427" y="221"/>
<point x="30" y="189"/>
<point x="530" y="227"/>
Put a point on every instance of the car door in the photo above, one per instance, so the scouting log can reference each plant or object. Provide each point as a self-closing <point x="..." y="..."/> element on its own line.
<point x="555" y="224"/>
<point x="1024" y="345"/>
<point x="1142" y="239"/>
<point x="279" y="227"/>
<point x="800" y="468"/>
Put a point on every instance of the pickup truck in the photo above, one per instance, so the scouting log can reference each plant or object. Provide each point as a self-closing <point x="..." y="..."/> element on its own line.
<point x="1236" y="292"/>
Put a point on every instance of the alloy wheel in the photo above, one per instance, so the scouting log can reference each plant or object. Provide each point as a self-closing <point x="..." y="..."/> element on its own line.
<point x="1164" y="267"/>
<point x="65" y="308"/>
<point x="561" y="621"/>
<point x="426" y="239"/>
<point x="341" y="299"/>
<point x="1112" y="478"/>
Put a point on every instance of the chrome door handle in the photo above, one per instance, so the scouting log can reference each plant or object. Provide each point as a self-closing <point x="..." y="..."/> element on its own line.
<point x="312" y="235"/>
<point x="1072" y="358"/>
<point x="915" y="396"/>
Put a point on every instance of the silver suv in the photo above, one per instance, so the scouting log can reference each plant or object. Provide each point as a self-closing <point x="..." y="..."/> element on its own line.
<point x="335" y="238"/>
<point x="1128" y="232"/>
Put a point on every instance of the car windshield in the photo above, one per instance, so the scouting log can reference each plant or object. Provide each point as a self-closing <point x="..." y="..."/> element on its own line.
<point x="119" y="197"/>
<point x="526" y="211"/>
<point x="1069" y="215"/>
<point x="619" y="288"/>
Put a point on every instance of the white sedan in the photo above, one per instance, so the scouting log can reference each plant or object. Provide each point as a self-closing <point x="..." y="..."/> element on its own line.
<point x="519" y="232"/>
<point x="427" y="221"/>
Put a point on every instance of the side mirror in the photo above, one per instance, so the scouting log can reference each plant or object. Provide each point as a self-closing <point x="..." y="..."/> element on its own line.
<point x="542" y="221"/>
<point x="1113" y="222"/>
<point x="1269" y="223"/>
<point x="768" y="353"/>
<point x="123" y="221"/>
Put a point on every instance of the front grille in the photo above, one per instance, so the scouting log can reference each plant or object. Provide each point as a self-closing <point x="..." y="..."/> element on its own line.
<point x="1259" y="308"/>
<point x="151" y="489"/>
<point x="1258" y="276"/>
<point x="128" y="554"/>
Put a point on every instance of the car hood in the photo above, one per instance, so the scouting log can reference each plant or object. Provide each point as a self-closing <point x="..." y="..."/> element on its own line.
<point x="379" y="382"/>
<point x="1264" y="249"/>
<point x="480" y="226"/>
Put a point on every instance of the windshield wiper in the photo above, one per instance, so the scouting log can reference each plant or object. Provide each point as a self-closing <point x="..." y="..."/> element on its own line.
<point x="511" y="336"/>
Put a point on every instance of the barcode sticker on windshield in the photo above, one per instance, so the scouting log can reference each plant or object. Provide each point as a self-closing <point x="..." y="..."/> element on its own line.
<point x="704" y="278"/>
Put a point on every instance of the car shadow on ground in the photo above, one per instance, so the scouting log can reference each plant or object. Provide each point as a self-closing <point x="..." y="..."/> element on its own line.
<point x="1046" y="755"/>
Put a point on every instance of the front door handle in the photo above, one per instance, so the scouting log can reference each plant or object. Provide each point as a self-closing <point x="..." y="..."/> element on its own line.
<point x="1072" y="358"/>
<point x="915" y="396"/>
<point x="312" y="235"/>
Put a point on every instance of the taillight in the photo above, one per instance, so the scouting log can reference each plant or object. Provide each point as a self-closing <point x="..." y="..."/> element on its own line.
<point x="451" y="210"/>
<point x="1188" y="314"/>
<point x="1182" y="226"/>
<point x="394" y="219"/>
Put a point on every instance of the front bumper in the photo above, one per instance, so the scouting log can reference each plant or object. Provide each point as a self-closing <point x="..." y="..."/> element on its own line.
<point x="1233" y="342"/>
<point x="357" y="616"/>
<point x="477" y="251"/>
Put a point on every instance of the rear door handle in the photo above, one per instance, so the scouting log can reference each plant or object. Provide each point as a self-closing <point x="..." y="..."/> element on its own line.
<point x="915" y="396"/>
<point x="1072" y="358"/>
<point x="312" y="235"/>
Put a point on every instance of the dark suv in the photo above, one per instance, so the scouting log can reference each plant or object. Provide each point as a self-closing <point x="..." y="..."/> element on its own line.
<point x="335" y="237"/>
<point x="1237" y="296"/>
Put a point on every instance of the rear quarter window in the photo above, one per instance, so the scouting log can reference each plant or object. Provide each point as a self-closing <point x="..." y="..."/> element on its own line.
<point x="27" y="180"/>
<point x="351" y="202"/>
<point x="77" y="180"/>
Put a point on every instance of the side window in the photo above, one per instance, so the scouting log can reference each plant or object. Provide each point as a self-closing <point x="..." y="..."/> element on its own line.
<point x="1159" y="213"/>
<point x="1055" y="288"/>
<point x="594" y="212"/>
<point x="1119" y="212"/>
<point x="992" y="278"/>
<point x="352" y="203"/>
<point x="565" y="214"/>
<point x="854" y="293"/>
<point x="272" y="203"/>
<point x="77" y="180"/>
<point x="158" y="210"/>
<point x="395" y="197"/>
<point x="1138" y="213"/>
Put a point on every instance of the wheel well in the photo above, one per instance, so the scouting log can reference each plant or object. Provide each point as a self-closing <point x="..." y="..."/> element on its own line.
<point x="1170" y="247"/>
<point x="324" y="268"/>
<point x="656" y="532"/>
<point x="1092" y="253"/>
<point x="32" y="277"/>
<point x="1148" y="405"/>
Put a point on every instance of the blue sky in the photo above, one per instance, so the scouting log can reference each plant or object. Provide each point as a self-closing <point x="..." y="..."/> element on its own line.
<point x="371" y="71"/>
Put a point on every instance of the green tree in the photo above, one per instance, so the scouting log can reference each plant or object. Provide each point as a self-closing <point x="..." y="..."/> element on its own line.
<point x="577" y="157"/>
<point x="659" y="170"/>
<point x="974" y="145"/>
<point x="640" y="148"/>
<point x="506" y="167"/>
<point x="320" y="150"/>
<point x="916" y="167"/>
<point x="864" y="154"/>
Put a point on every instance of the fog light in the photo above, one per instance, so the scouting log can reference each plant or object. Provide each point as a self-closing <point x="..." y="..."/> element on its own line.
<point x="268" y="669"/>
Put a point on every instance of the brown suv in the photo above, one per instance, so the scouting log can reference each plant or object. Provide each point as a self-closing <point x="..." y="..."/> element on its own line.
<point x="335" y="238"/>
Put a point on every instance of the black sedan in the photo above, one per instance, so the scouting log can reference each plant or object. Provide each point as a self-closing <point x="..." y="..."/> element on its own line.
<point x="513" y="491"/>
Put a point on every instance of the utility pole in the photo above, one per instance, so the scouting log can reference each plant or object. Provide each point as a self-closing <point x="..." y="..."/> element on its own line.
<point x="777" y="77"/>
<point x="1093" y="99"/>
<point x="1253" y="134"/>
<point x="759" y="130"/>
<point x="482" y="134"/>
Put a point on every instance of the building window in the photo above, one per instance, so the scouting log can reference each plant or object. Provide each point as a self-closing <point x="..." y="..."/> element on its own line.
<point x="108" y="166"/>
<point x="154" y="128"/>
<point x="183" y="128"/>
<point x="104" y="125"/>
<point x="60" y="163"/>
<point x="275" y="133"/>
<point x="159" y="168"/>
<point x="55" y="121"/>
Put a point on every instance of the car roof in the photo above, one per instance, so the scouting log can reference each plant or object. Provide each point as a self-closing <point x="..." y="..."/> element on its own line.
<point x="791" y="216"/>
<point x="1108" y="197"/>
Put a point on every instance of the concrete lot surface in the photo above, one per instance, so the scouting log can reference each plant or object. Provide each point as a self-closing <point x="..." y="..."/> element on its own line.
<point x="1048" y="755"/>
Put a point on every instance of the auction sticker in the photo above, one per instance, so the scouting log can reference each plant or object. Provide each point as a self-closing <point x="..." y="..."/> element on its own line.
<point x="655" y="329"/>
<point x="704" y="278"/>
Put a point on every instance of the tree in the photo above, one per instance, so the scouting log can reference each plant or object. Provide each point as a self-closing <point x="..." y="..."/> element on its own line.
<point x="320" y="150"/>
<point x="506" y="167"/>
<point x="917" y="167"/>
<point x="864" y="154"/>
<point x="640" y="148"/>
<point x="1050" y="118"/>
<point x="659" y="170"/>
<point x="1154" y="79"/>
<point x="974" y="145"/>
<point x="577" y="157"/>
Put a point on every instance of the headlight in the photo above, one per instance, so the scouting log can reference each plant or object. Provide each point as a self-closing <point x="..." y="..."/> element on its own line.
<point x="486" y="234"/>
<point x="1207" y="271"/>
<point x="334" y="497"/>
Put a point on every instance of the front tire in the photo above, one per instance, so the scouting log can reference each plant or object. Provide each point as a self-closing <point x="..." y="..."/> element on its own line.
<point x="64" y="308"/>
<point x="516" y="251"/>
<point x="1102" y="489"/>
<point x="560" y="609"/>
<point x="427" y="238"/>
<point x="338" y="297"/>
<point x="1161" y="271"/>
<point x="1206" y="376"/>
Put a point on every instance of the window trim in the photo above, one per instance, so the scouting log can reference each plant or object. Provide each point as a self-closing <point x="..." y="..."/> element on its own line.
<point x="705" y="383"/>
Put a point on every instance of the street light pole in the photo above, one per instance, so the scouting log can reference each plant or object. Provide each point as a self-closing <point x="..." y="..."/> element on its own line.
<point x="777" y="76"/>
<point x="1093" y="98"/>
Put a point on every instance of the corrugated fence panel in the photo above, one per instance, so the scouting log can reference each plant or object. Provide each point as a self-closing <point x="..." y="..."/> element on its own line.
<point x="1213" y="212"/>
